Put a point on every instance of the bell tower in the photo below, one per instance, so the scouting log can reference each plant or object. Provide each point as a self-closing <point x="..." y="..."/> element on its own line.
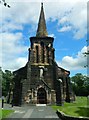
<point x="41" y="51"/>
<point x="41" y="55"/>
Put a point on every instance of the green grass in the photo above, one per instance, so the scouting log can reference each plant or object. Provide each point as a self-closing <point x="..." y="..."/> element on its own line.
<point x="77" y="108"/>
<point x="0" y="114"/>
<point x="5" y="113"/>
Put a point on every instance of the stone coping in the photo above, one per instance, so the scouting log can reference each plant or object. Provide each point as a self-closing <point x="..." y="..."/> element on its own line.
<point x="67" y="117"/>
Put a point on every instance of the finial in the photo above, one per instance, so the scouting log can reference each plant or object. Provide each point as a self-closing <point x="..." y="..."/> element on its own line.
<point x="42" y="4"/>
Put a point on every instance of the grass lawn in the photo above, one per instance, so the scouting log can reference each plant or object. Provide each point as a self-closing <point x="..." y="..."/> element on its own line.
<point x="77" y="108"/>
<point x="5" y="113"/>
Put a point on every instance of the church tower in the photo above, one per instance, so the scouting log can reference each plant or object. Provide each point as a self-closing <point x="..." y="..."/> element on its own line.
<point x="41" y="53"/>
<point x="41" y="57"/>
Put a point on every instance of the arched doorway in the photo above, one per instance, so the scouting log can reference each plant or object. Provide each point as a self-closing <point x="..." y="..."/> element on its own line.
<point x="41" y="96"/>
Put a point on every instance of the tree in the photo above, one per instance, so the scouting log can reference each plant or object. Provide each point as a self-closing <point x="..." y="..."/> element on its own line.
<point x="1" y="81"/>
<point x="7" y="82"/>
<point x="80" y="84"/>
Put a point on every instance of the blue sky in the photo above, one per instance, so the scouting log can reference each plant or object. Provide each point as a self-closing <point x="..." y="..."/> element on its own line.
<point x="66" y="21"/>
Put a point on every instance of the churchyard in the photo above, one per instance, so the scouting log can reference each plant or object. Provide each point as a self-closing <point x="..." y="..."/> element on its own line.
<point x="80" y="107"/>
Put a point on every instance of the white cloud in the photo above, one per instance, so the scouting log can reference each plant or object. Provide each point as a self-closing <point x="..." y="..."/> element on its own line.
<point x="76" y="63"/>
<point x="52" y="35"/>
<point x="20" y="13"/>
<point x="12" y="50"/>
<point x="10" y="27"/>
<point x="75" y="13"/>
<point x="80" y="33"/>
<point x="21" y="61"/>
<point x="63" y="20"/>
<point x="11" y="43"/>
<point x="14" y="64"/>
<point x="65" y="28"/>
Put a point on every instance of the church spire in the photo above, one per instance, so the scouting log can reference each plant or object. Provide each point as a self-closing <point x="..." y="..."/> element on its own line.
<point x="41" y="30"/>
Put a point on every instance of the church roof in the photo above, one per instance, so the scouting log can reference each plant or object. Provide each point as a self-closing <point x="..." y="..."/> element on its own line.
<point x="41" y="30"/>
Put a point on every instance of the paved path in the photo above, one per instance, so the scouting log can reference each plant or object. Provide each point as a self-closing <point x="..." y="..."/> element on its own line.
<point x="33" y="112"/>
<point x="43" y="112"/>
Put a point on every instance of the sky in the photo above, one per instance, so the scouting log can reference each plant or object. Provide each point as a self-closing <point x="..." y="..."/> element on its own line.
<point x="66" y="21"/>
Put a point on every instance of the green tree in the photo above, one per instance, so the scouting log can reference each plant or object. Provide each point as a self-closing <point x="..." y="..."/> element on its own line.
<point x="1" y="81"/>
<point x="7" y="82"/>
<point x="80" y="84"/>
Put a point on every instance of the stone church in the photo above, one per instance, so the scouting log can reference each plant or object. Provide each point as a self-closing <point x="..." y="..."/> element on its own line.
<point x="41" y="80"/>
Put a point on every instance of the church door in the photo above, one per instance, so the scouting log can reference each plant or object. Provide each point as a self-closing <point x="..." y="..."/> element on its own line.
<point x="41" y="96"/>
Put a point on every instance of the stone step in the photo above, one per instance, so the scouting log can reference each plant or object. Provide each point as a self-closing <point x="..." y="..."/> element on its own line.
<point x="40" y="104"/>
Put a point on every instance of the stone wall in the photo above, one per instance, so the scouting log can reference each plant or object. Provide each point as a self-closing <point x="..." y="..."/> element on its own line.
<point x="67" y="117"/>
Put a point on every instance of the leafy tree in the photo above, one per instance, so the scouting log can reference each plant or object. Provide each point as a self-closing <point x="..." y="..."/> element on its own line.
<point x="7" y="82"/>
<point x="80" y="84"/>
<point x="1" y="81"/>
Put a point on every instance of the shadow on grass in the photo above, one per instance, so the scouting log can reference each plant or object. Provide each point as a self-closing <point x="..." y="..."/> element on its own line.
<point x="83" y="111"/>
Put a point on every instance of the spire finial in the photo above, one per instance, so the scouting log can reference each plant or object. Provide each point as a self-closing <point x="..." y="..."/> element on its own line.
<point x="41" y="4"/>
<point x="41" y="31"/>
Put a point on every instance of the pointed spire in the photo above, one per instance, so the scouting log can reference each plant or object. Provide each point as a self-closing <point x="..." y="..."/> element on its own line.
<point x="42" y="31"/>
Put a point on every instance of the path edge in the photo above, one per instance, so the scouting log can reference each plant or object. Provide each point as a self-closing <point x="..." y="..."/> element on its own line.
<point x="67" y="117"/>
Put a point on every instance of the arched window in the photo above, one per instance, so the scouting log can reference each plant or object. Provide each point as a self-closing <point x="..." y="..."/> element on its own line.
<point x="42" y="52"/>
<point x="47" y="48"/>
<point x="37" y="54"/>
